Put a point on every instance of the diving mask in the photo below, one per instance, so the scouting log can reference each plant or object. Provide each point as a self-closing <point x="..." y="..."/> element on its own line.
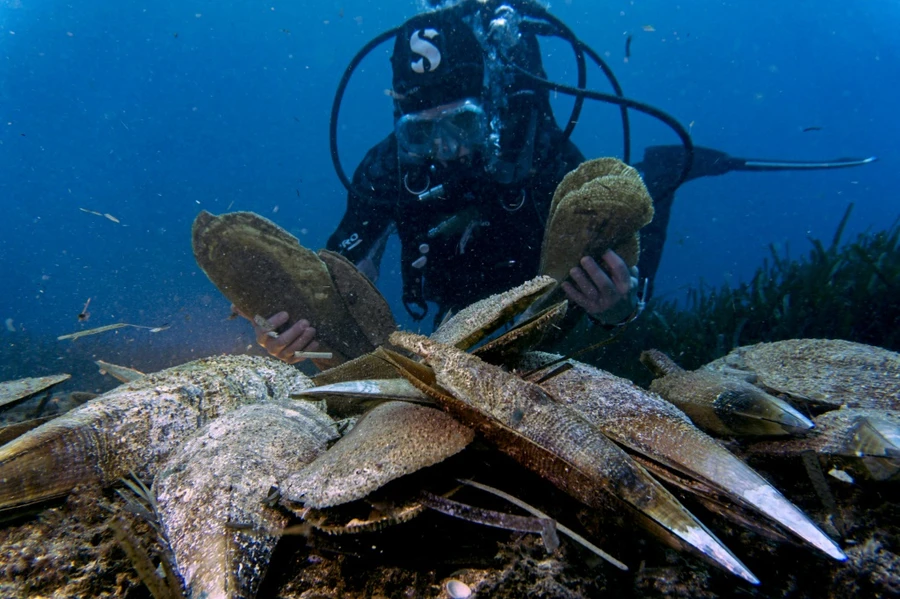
<point x="446" y="132"/>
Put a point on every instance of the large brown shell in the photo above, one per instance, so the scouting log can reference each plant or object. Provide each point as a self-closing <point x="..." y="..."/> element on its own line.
<point x="599" y="206"/>
<point x="825" y="371"/>
<point x="555" y="441"/>
<point x="363" y="300"/>
<point x="391" y="440"/>
<point x="647" y="424"/>
<point x="263" y="269"/>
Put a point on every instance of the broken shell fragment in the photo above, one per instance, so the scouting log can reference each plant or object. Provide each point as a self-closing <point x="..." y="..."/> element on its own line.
<point x="387" y="389"/>
<point x="15" y="391"/>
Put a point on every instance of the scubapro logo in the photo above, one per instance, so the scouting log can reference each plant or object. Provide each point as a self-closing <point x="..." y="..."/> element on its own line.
<point x="425" y="49"/>
<point x="351" y="242"/>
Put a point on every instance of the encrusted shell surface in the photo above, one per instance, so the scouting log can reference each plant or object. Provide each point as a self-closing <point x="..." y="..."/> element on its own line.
<point x="524" y="336"/>
<point x="13" y="391"/>
<point x="727" y="406"/>
<point x="827" y="371"/>
<point x="211" y="494"/>
<point x="600" y="205"/>
<point x="552" y="439"/>
<point x="651" y="426"/>
<point x="391" y="440"/>
<point x="136" y="426"/>
<point x="473" y="323"/>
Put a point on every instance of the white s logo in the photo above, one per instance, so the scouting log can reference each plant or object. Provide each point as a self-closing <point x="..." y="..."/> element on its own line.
<point x="425" y="49"/>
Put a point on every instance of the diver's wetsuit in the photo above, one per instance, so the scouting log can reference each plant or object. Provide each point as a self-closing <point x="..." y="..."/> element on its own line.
<point x="478" y="241"/>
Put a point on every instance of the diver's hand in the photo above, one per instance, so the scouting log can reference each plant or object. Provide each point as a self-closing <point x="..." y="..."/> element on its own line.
<point x="611" y="298"/>
<point x="300" y="337"/>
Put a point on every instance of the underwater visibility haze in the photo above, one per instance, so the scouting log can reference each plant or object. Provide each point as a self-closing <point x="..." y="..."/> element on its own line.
<point x="151" y="113"/>
<point x="121" y="121"/>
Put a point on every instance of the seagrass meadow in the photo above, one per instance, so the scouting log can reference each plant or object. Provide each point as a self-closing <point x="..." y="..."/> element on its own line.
<point x="833" y="291"/>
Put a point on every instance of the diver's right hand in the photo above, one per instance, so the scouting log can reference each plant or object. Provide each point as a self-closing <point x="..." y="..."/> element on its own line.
<point x="300" y="337"/>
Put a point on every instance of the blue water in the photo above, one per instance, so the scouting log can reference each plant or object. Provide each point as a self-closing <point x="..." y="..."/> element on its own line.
<point x="151" y="112"/>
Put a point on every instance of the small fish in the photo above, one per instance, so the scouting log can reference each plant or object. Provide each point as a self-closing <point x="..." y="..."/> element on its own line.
<point x="103" y="214"/>
<point x="103" y="329"/>
<point x="84" y="315"/>
<point x="813" y="128"/>
<point x="628" y="46"/>
<point x="649" y="28"/>
<point x="121" y="373"/>
<point x="109" y="327"/>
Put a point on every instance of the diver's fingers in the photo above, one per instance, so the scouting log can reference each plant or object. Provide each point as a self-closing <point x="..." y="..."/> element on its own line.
<point x="576" y="296"/>
<point x="305" y="343"/>
<point x="592" y="280"/>
<point x="620" y="274"/>
<point x="593" y="298"/>
<point x="262" y="334"/>
<point x="277" y="343"/>
<point x="278" y="319"/>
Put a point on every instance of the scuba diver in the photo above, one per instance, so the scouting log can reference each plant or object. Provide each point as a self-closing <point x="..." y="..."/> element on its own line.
<point x="466" y="177"/>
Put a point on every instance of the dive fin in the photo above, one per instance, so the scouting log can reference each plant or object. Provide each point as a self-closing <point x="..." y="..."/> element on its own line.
<point x="761" y="164"/>
<point x="664" y="162"/>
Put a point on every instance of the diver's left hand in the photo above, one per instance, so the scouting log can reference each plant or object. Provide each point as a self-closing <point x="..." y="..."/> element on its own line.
<point x="610" y="298"/>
